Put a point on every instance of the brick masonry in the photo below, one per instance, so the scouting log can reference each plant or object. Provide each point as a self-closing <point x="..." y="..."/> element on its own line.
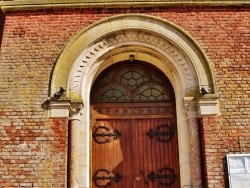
<point x="1" y="25"/>
<point x="33" y="148"/>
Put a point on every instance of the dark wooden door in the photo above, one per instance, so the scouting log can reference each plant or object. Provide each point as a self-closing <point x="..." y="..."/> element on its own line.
<point x="134" y="137"/>
<point x="138" y="153"/>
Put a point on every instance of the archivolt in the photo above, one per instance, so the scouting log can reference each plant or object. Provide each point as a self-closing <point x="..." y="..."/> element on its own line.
<point x="148" y="38"/>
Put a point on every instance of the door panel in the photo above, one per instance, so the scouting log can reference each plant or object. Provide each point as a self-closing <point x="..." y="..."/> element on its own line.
<point x="134" y="155"/>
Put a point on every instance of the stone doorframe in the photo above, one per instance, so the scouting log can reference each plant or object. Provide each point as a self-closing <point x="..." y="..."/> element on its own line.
<point x="148" y="39"/>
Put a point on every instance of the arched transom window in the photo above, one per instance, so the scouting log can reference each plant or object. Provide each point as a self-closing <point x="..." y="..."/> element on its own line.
<point x="132" y="82"/>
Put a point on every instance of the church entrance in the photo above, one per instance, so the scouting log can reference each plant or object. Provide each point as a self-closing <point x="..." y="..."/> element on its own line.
<point x="134" y="133"/>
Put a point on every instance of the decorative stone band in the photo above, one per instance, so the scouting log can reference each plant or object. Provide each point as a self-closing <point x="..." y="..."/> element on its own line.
<point x="207" y="104"/>
<point x="11" y="5"/>
<point x="65" y="107"/>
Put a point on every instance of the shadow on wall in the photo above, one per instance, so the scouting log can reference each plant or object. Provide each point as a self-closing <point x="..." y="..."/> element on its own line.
<point x="2" y="20"/>
<point x="225" y="172"/>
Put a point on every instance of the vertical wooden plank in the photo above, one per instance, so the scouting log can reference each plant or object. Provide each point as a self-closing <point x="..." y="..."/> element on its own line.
<point x="128" y="142"/>
<point x="162" y="146"/>
<point x="150" y="154"/>
<point x="115" y="150"/>
<point x="168" y="150"/>
<point x="155" y="150"/>
<point x="93" y="154"/>
<point x="114" y="153"/>
<point x="120" y="167"/>
<point x="138" y="153"/>
<point x="142" y="153"/>
<point x="175" y="143"/>
<point x="127" y="151"/>
<point x="147" y="148"/>
<point x="173" y="146"/>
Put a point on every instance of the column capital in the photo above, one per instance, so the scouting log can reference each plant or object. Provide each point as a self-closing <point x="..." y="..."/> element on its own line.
<point x="75" y="108"/>
<point x="64" y="107"/>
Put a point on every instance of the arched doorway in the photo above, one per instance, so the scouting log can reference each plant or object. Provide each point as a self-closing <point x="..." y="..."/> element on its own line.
<point x="159" y="43"/>
<point x="134" y="132"/>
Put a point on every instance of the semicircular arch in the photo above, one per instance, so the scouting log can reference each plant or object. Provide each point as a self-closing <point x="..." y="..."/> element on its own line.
<point x="138" y="31"/>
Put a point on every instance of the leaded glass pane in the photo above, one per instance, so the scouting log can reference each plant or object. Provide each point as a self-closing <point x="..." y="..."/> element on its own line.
<point x="131" y="83"/>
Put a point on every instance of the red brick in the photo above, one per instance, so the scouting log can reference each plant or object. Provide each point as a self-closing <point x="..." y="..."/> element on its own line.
<point x="31" y="42"/>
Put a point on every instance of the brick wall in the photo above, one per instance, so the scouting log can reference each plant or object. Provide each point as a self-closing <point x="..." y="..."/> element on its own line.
<point x="34" y="148"/>
<point x="2" y="17"/>
<point x="33" y="152"/>
<point x="214" y="149"/>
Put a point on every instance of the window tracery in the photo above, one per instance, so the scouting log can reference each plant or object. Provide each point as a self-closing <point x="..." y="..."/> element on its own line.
<point x="131" y="82"/>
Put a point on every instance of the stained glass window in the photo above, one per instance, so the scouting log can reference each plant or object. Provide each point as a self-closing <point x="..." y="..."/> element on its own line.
<point x="131" y="82"/>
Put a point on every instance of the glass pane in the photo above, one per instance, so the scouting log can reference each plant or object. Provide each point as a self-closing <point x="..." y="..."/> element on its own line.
<point x="131" y="83"/>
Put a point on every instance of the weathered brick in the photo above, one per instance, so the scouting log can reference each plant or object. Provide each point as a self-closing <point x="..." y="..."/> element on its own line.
<point x="31" y="42"/>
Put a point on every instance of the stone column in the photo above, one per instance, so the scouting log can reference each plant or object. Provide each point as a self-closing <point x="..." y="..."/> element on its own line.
<point x="73" y="162"/>
<point x="195" y="153"/>
<point x="194" y="136"/>
<point x="207" y="104"/>
<point x="68" y="108"/>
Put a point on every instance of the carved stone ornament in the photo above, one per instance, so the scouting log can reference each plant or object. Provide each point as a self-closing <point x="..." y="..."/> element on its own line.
<point x="64" y="107"/>
<point x="134" y="38"/>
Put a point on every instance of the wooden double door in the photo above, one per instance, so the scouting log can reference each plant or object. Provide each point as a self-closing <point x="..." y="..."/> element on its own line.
<point x="134" y="135"/>
<point x="136" y="152"/>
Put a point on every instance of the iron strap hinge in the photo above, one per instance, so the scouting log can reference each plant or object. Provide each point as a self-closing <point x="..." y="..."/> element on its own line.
<point x="164" y="133"/>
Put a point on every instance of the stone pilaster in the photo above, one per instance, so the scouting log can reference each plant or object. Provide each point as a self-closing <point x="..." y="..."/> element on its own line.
<point x="65" y="107"/>
<point x="74" y="124"/>
<point x="195" y="153"/>
<point x="196" y="107"/>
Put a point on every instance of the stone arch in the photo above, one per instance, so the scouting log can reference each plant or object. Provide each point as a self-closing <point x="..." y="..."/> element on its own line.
<point x="151" y="40"/>
<point x="105" y="35"/>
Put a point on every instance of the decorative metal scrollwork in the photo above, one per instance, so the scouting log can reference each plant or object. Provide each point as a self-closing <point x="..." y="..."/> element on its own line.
<point x="102" y="134"/>
<point x="103" y="178"/>
<point x="165" y="175"/>
<point x="163" y="136"/>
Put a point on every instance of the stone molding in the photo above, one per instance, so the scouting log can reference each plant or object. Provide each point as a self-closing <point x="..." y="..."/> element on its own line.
<point x="47" y="4"/>
<point x="65" y="107"/>
<point x="156" y="38"/>
<point x="207" y="104"/>
<point x="132" y="41"/>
